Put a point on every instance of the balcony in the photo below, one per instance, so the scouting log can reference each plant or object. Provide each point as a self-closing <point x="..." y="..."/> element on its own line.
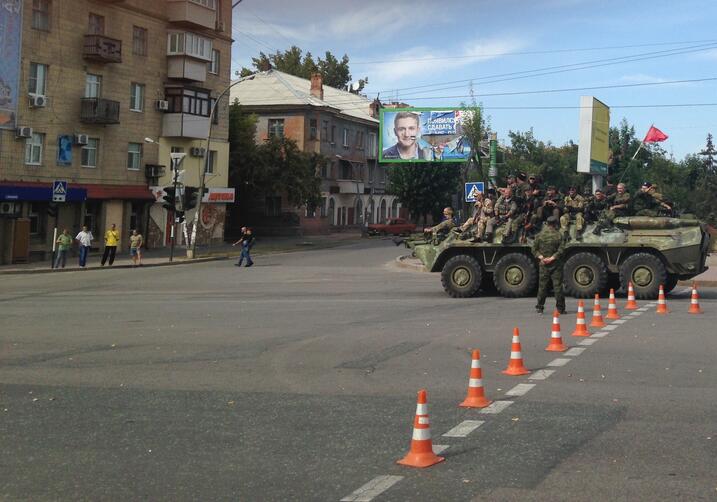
<point x="99" y="111"/>
<point x="350" y="186"/>
<point x="186" y="68"/>
<point x="185" y="125"/>
<point x="189" y="13"/>
<point x="102" y="49"/>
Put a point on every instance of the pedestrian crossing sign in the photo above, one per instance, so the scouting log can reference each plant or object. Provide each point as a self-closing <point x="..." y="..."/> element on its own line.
<point x="473" y="189"/>
<point x="59" y="191"/>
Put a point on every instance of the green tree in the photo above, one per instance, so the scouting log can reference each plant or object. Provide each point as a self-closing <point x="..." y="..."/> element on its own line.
<point x="335" y="72"/>
<point x="425" y="188"/>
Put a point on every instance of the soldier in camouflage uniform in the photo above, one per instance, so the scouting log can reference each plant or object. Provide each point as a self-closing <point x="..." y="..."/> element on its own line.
<point x="649" y="202"/>
<point x="485" y="222"/>
<point x="574" y="205"/>
<point x="619" y="202"/>
<point x="597" y="210"/>
<point x="507" y="214"/>
<point x="444" y="226"/>
<point x="473" y="220"/>
<point x="550" y="205"/>
<point x="548" y="248"/>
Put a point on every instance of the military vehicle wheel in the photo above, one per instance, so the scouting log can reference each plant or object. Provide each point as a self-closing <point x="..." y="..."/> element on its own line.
<point x="670" y="283"/>
<point x="515" y="275"/>
<point x="461" y="276"/>
<point x="584" y="274"/>
<point x="646" y="272"/>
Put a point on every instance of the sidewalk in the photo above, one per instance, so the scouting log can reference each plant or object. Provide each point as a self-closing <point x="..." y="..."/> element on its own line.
<point x="160" y="257"/>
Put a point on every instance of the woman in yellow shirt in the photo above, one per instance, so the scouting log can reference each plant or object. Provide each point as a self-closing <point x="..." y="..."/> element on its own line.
<point x="111" y="241"/>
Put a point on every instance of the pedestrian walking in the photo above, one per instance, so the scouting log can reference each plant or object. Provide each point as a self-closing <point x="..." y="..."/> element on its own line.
<point x="111" y="240"/>
<point x="238" y="243"/>
<point x="64" y="241"/>
<point x="548" y="248"/>
<point x="247" y="242"/>
<point x="84" y="238"/>
<point x="135" y="247"/>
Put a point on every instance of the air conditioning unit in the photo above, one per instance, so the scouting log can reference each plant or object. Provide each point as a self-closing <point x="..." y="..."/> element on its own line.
<point x="162" y="105"/>
<point x="23" y="132"/>
<point x="38" y="101"/>
<point x="8" y="208"/>
<point x="81" y="139"/>
<point x="196" y="151"/>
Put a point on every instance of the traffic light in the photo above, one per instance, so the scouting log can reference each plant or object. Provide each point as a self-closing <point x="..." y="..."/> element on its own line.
<point x="168" y="199"/>
<point x="52" y="210"/>
<point x="191" y="197"/>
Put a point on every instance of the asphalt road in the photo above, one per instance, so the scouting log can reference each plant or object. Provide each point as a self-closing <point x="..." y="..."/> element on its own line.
<point x="296" y="379"/>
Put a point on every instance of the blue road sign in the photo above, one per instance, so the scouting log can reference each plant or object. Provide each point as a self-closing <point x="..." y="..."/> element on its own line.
<point x="59" y="191"/>
<point x="472" y="189"/>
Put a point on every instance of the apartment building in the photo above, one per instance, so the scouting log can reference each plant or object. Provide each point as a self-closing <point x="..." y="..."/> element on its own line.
<point x="341" y="126"/>
<point x="97" y="94"/>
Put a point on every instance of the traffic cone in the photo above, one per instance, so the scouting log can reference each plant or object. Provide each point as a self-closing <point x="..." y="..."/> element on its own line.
<point x="476" y="394"/>
<point x="694" y="302"/>
<point x="515" y="365"/>
<point x="611" y="307"/>
<point x="421" y="454"/>
<point x="631" y="303"/>
<point x="597" y="321"/>
<point x="581" y="328"/>
<point x="556" y="339"/>
<point x="661" y="303"/>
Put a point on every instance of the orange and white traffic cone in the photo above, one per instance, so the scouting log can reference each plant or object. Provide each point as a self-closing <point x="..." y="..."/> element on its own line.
<point x="476" y="394"/>
<point x="581" y="328"/>
<point x="631" y="303"/>
<point x="597" y="321"/>
<point x="612" y="307"/>
<point x="556" y="338"/>
<point x="695" y="301"/>
<point x="661" y="303"/>
<point x="421" y="454"/>
<point x="515" y="364"/>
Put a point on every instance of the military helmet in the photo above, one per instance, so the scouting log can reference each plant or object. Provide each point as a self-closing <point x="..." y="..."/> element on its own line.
<point x="552" y="220"/>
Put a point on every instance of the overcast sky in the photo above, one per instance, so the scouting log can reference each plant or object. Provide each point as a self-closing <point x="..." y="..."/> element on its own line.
<point x="430" y="53"/>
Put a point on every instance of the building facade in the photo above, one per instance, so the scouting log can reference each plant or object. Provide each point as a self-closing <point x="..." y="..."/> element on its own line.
<point x="339" y="125"/>
<point x="104" y="91"/>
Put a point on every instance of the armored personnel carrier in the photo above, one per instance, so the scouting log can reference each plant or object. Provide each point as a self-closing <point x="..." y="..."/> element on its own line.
<point x="642" y="250"/>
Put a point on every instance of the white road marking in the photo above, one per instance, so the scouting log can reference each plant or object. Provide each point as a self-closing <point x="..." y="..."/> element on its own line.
<point x="440" y="448"/>
<point x="575" y="351"/>
<point x="541" y="374"/>
<point x="496" y="407"/>
<point x="463" y="429"/>
<point x="372" y="489"/>
<point x="650" y="305"/>
<point x="600" y="334"/>
<point x="643" y="309"/>
<point x="610" y="327"/>
<point x="588" y="341"/>
<point x="620" y="321"/>
<point x="520" y="390"/>
<point x="561" y="361"/>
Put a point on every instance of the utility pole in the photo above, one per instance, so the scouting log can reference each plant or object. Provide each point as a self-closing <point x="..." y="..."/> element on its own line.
<point x="177" y="158"/>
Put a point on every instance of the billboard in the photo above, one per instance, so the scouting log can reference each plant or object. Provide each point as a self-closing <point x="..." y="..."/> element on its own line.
<point x="10" y="33"/>
<point x="423" y="135"/>
<point x="594" y="147"/>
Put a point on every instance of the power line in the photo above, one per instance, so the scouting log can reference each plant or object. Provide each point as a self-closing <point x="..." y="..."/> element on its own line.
<point x="270" y="25"/>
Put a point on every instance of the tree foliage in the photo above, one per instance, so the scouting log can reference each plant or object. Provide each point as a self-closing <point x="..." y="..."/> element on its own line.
<point x="335" y="72"/>
<point x="425" y="188"/>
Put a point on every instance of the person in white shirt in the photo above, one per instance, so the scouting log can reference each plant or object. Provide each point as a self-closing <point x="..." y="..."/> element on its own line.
<point x="84" y="238"/>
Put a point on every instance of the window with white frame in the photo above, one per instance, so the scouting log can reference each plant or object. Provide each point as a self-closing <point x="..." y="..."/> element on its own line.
<point x="346" y="138"/>
<point x="41" y="15"/>
<point x="190" y="44"/>
<point x="134" y="156"/>
<point x="89" y="152"/>
<point x="136" y="97"/>
<point x="33" y="149"/>
<point x="211" y="162"/>
<point x="214" y="63"/>
<point x="37" y="78"/>
<point x="276" y="128"/>
<point x="371" y="148"/>
<point x="93" y="85"/>
<point x="210" y="4"/>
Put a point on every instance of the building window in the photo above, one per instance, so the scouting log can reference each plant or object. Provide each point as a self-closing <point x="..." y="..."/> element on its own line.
<point x="325" y="170"/>
<point x="210" y="4"/>
<point x="272" y="206"/>
<point x="325" y="130"/>
<point x="214" y="63"/>
<point x="276" y="128"/>
<point x="136" y="97"/>
<point x="41" y="15"/>
<point x="38" y="78"/>
<point x="323" y="207"/>
<point x="33" y="149"/>
<point x="371" y="149"/>
<point x="346" y="138"/>
<point x="313" y="129"/>
<point x="346" y="173"/>
<point x="359" y="140"/>
<point x="371" y="172"/>
<point x="139" y="41"/>
<point x="93" y="86"/>
<point x="310" y="211"/>
<point x="89" y="153"/>
<point x="333" y="134"/>
<point x="134" y="156"/>
<point x="191" y="101"/>
<point x="96" y="25"/>
<point x="189" y="44"/>
<point x="211" y="162"/>
<point x="37" y="216"/>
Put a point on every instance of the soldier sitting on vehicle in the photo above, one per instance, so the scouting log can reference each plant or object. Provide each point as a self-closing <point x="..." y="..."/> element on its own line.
<point x="508" y="215"/>
<point x="596" y="211"/>
<point x="619" y="202"/>
<point x="532" y="199"/>
<point x="473" y="220"/>
<point x="550" y="205"/>
<point x="574" y="205"/>
<point x="441" y="230"/>
<point x="649" y="202"/>
<point x="485" y="224"/>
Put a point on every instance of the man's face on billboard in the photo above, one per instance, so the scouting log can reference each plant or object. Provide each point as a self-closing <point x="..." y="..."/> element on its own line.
<point x="406" y="130"/>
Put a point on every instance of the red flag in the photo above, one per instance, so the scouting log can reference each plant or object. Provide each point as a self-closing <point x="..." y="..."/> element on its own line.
<point x="654" y="135"/>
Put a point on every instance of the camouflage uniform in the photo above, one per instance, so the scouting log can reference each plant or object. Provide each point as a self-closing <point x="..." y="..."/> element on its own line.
<point x="549" y="243"/>
<point x="574" y="206"/>
<point x="597" y="211"/>
<point x="506" y="212"/>
<point x="649" y="203"/>
<point x="443" y="226"/>
<point x="544" y="211"/>
<point x="485" y="220"/>
<point x="473" y="220"/>
<point x="618" y="199"/>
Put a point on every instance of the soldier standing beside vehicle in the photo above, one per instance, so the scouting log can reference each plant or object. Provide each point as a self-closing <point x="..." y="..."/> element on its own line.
<point x="574" y="205"/>
<point x="548" y="248"/>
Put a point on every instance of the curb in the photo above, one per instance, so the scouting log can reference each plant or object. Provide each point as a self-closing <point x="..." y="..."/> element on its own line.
<point x="414" y="264"/>
<point x="707" y="284"/>
<point x="111" y="267"/>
